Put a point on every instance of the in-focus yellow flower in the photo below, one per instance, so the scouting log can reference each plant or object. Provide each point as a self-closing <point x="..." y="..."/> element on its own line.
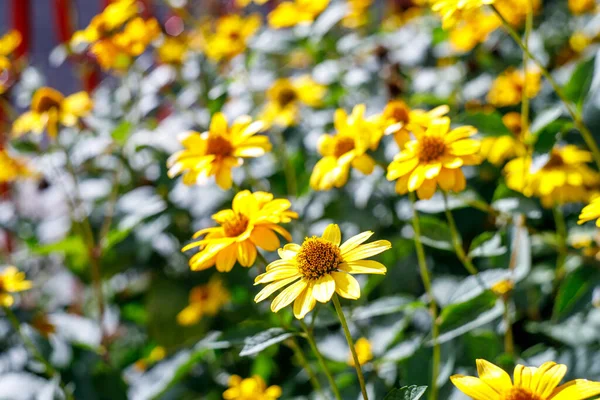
<point x="507" y="88"/>
<point x="227" y="37"/>
<point x="8" y="43"/>
<point x="358" y="13"/>
<point x="515" y="11"/>
<point x="398" y="119"/>
<point x="434" y="158"/>
<point x="497" y="150"/>
<point x="50" y="110"/>
<point x="453" y="11"/>
<point x="11" y="281"/>
<point x="217" y="151"/>
<point x="204" y="300"/>
<point x="252" y="221"/>
<point x="292" y="13"/>
<point x="530" y="383"/>
<point x="347" y="148"/>
<point x="562" y="178"/>
<point x="253" y="388"/>
<point x="286" y="95"/>
<point x="590" y="212"/>
<point x="363" y="352"/>
<point x="472" y="30"/>
<point x="112" y="18"/>
<point x="173" y="50"/>
<point x="318" y="268"/>
<point x="12" y="169"/>
<point x="581" y="6"/>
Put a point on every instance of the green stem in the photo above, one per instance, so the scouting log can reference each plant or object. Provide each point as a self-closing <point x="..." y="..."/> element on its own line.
<point x="313" y="345"/>
<point x="359" y="373"/>
<point x="288" y="168"/>
<point x="561" y="236"/>
<point x="509" y="344"/>
<point x="50" y="371"/>
<point x="435" y="370"/>
<point x="573" y="112"/>
<point x="456" y="239"/>
<point x="305" y="364"/>
<point x="524" y="97"/>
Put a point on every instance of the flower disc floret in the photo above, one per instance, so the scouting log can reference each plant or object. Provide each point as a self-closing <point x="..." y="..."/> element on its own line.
<point x="318" y="257"/>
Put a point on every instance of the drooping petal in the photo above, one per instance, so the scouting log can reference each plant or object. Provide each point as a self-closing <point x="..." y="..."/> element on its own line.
<point x="446" y="179"/>
<point x="246" y="254"/>
<point x="323" y="288"/>
<point x="288" y="295"/>
<point x="226" y="258"/>
<point x="332" y="233"/>
<point x="265" y="238"/>
<point x="272" y="288"/>
<point x="367" y="250"/>
<point x="493" y="376"/>
<point x="416" y="178"/>
<point x="363" y="267"/>
<point x="474" y="387"/>
<point x="427" y="189"/>
<point x="304" y="303"/>
<point x="346" y="285"/>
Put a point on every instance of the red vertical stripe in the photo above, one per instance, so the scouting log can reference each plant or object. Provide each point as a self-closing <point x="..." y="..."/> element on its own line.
<point x="21" y="20"/>
<point x="63" y="14"/>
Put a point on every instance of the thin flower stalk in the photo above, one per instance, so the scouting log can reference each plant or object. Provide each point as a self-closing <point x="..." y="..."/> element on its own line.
<point x="456" y="240"/>
<point x="561" y="241"/>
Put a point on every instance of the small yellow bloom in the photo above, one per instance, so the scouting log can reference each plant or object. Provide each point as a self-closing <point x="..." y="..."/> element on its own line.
<point x="245" y="3"/>
<point x="472" y="30"/>
<point x="563" y="178"/>
<point x="292" y="13"/>
<point x="173" y="50"/>
<point x="434" y="158"/>
<point x="11" y="281"/>
<point x="358" y="12"/>
<point x="453" y="11"/>
<point x="12" y="169"/>
<point x="507" y="89"/>
<point x="363" y="352"/>
<point x="227" y="37"/>
<point x="253" y="388"/>
<point x="114" y="16"/>
<point x="156" y="354"/>
<point x="347" y="148"/>
<point x="590" y="212"/>
<point x="581" y="6"/>
<point x="318" y="268"/>
<point x="286" y="95"/>
<point x="8" y="43"/>
<point x="398" y="119"/>
<point x="50" y="110"/>
<point x="204" y="300"/>
<point x="515" y="11"/>
<point x="217" y="151"/>
<point x="579" y="41"/>
<point x="252" y="221"/>
<point x="530" y="383"/>
<point x="503" y="287"/>
<point x="498" y="150"/>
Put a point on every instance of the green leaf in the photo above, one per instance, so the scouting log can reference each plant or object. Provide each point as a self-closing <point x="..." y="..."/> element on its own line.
<point x="578" y="86"/>
<point x="435" y="233"/>
<point x="488" y="124"/>
<point x="488" y="244"/>
<point x="548" y="135"/>
<point x="412" y="392"/>
<point x="115" y="237"/>
<point x="73" y="247"/>
<point x="121" y="132"/>
<point x="257" y="343"/>
<point x="573" y="288"/>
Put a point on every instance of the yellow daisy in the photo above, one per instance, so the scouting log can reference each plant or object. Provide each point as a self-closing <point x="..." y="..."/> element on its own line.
<point x="11" y="281"/>
<point x="347" y="148"/>
<point x="563" y="178"/>
<point x="50" y="110"/>
<point x="204" y="300"/>
<point x="115" y="15"/>
<point x="318" y="268"/>
<point x="217" y="151"/>
<point x="252" y="221"/>
<point x="286" y="95"/>
<point x="398" y="119"/>
<point x="515" y="11"/>
<point x="590" y="212"/>
<point x="472" y="30"/>
<point x="530" y="383"/>
<point x="173" y="50"/>
<point x="292" y="13"/>
<point x="253" y="388"/>
<point x="497" y="150"/>
<point x="434" y="158"/>
<point x="363" y="352"/>
<point x="453" y="11"/>
<point x="507" y="88"/>
<point x="357" y="14"/>
<point x="225" y="38"/>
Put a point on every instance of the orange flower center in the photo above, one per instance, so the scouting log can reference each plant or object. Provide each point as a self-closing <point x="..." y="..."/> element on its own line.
<point x="286" y="96"/>
<point x="236" y="225"/>
<point x="431" y="148"/>
<point x="397" y="111"/>
<point x="219" y="146"/>
<point x="517" y="393"/>
<point x="555" y="160"/>
<point x="343" y="145"/>
<point x="46" y="100"/>
<point x="318" y="257"/>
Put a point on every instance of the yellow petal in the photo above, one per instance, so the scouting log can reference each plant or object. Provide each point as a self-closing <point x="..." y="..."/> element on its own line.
<point x="427" y="189"/>
<point x="288" y="295"/>
<point x="523" y="376"/>
<point x="323" y="288"/>
<point x="346" y="285"/>
<point x="265" y="238"/>
<point x="363" y="267"/>
<point x="398" y="169"/>
<point x="474" y="388"/>
<point x="579" y="389"/>
<point x="446" y="179"/>
<point x="493" y="376"/>
<point x="547" y="377"/>
<point x="416" y="178"/>
<point x="332" y="233"/>
<point x="304" y="303"/>
<point x="246" y="253"/>
<point x="272" y="288"/>
<point x="218" y="124"/>
<point x="367" y="250"/>
<point x="364" y="163"/>
<point x="226" y="258"/>
<point x="355" y="241"/>
<point x="276" y="274"/>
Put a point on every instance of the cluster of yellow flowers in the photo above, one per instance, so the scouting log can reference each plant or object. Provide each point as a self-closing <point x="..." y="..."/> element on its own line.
<point x="204" y="300"/>
<point x="11" y="281"/>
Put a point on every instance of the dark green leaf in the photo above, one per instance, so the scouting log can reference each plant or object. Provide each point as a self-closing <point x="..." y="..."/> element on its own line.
<point x="435" y="233"/>
<point x="578" y="86"/>
<point x="406" y="393"/>
<point x="488" y="124"/>
<point x="574" y="286"/>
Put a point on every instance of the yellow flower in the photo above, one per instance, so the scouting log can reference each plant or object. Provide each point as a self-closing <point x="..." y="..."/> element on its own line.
<point x="579" y="41"/>
<point x="225" y="38"/>
<point x="502" y="287"/>
<point x="157" y="354"/>
<point x="434" y="158"/>
<point x="473" y="30"/>
<point x="204" y="300"/>
<point x="8" y="43"/>
<point x="252" y="221"/>
<point x="218" y="150"/>
<point x="507" y="88"/>
<point x="318" y="268"/>
<point x="12" y="169"/>
<point x="104" y="24"/>
<point x="253" y="388"/>
<point x="245" y="3"/>
<point x="590" y="212"/>
<point x="398" y="119"/>
<point x="515" y="11"/>
<point x="453" y="11"/>
<point x="563" y="178"/>
<point x="50" y="109"/>
<point x="357" y="14"/>
<point x="363" y="352"/>
<point x="286" y="95"/>
<point x="581" y="6"/>
<point x="347" y="148"/>
<point x="291" y="13"/>
<point x="173" y="50"/>
<point x="11" y="281"/>
<point x="530" y="383"/>
<point x="497" y="150"/>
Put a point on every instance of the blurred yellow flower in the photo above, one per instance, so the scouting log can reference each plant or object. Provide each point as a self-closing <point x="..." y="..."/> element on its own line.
<point x="107" y="22"/>
<point x="590" y="212"/>
<point x="347" y="148"/>
<point x="291" y="13"/>
<point x="503" y="287"/>
<point x="398" y="119"/>
<point x="530" y="383"/>
<point x="217" y="151"/>
<point x="286" y="95"/>
<point x="252" y="221"/>
<point x="50" y="110"/>
<point x="227" y="37"/>
<point x="472" y="30"/>
<point x="515" y="11"/>
<point x="453" y="11"/>
<point x="11" y="281"/>
<point x="173" y="50"/>
<point x="253" y="388"/>
<point x="204" y="300"/>
<point x="562" y="177"/>
<point x="358" y="13"/>
<point x="581" y="6"/>
<point x="499" y="149"/>
<point x="318" y="268"/>
<point x="434" y="158"/>
<point x="12" y="169"/>
<point x="363" y="352"/>
<point x="579" y="41"/>
<point x="8" y="43"/>
<point x="245" y="3"/>
<point x="157" y="354"/>
<point x="507" y="88"/>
